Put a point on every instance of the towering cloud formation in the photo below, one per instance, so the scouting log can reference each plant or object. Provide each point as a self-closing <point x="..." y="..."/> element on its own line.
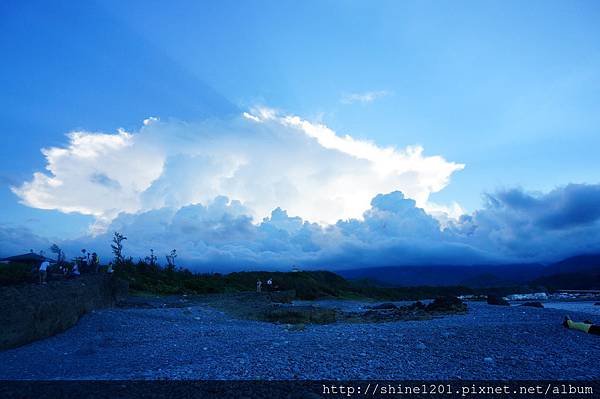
<point x="514" y="226"/>
<point x="263" y="159"/>
<point x="221" y="235"/>
<point x="272" y="190"/>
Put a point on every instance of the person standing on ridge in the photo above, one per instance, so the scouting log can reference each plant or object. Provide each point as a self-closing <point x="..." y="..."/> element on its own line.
<point x="43" y="270"/>
<point x="95" y="262"/>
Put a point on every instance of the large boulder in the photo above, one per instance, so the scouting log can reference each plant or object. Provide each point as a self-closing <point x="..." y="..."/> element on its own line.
<point x="497" y="300"/>
<point x="446" y="303"/>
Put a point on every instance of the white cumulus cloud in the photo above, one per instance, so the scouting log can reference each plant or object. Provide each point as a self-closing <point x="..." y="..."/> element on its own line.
<point x="263" y="159"/>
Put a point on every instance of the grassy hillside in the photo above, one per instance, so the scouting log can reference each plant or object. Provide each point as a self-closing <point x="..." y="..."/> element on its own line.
<point x="16" y="273"/>
<point x="307" y="284"/>
<point x="147" y="278"/>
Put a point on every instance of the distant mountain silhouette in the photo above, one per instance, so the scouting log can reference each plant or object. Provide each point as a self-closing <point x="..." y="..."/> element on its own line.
<point x="476" y="276"/>
<point x="579" y="263"/>
<point x="577" y="272"/>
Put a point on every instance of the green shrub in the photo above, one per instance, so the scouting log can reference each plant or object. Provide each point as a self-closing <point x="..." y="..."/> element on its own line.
<point x="16" y="273"/>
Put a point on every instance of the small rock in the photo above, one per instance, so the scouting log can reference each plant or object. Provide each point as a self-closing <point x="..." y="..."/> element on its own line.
<point x="385" y="306"/>
<point x="488" y="360"/>
<point x="295" y="327"/>
<point x="421" y="346"/>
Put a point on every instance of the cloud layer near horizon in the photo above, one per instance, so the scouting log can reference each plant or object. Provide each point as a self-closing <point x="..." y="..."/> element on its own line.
<point x="514" y="226"/>
<point x="263" y="159"/>
<point x="272" y="190"/>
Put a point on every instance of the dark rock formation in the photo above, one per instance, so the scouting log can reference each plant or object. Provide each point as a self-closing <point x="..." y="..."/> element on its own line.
<point x="446" y="304"/>
<point x="533" y="304"/>
<point x="415" y="311"/>
<point x="497" y="300"/>
<point x="31" y="311"/>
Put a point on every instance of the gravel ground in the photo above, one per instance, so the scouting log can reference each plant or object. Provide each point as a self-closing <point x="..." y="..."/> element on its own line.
<point x="490" y="342"/>
<point x="351" y="305"/>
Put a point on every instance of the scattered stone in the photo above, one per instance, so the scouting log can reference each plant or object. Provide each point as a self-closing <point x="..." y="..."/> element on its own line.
<point x="519" y="345"/>
<point x="384" y="306"/>
<point x="300" y="314"/>
<point x="86" y="350"/>
<point x="286" y="296"/>
<point x="533" y="304"/>
<point x="497" y="300"/>
<point x="296" y="327"/>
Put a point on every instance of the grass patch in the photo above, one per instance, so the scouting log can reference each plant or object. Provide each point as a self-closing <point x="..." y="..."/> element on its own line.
<point x="16" y="273"/>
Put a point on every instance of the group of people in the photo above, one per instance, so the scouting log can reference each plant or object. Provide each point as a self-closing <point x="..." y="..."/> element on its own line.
<point x="88" y="263"/>
<point x="260" y="283"/>
<point x="85" y="264"/>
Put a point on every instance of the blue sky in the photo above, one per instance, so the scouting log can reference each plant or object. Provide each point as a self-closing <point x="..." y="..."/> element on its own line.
<point x="509" y="89"/>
